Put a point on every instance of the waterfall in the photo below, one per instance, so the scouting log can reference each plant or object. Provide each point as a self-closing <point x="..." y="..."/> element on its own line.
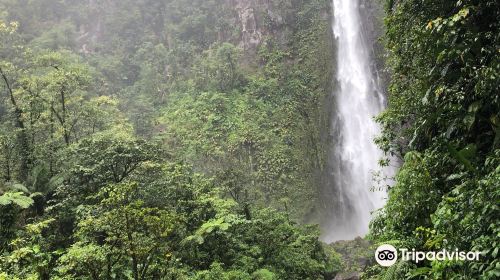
<point x="354" y="156"/>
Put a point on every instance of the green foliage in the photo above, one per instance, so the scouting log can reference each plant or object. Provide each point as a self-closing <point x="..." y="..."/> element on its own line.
<point x="263" y="274"/>
<point x="218" y="69"/>
<point x="412" y="199"/>
<point x="107" y="158"/>
<point x="150" y="58"/>
<point x="443" y="118"/>
<point x="29" y="258"/>
<point x="257" y="130"/>
<point x="15" y="198"/>
<point x="161" y="220"/>
<point x="119" y="228"/>
<point x="157" y="143"/>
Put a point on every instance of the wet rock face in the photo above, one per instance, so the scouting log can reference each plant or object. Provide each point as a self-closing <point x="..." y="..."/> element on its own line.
<point x="256" y="19"/>
<point x="356" y="254"/>
<point x="373" y="13"/>
<point x="251" y="35"/>
<point x="253" y="21"/>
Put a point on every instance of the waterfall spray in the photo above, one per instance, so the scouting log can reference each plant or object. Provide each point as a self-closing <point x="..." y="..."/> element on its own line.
<point x="354" y="156"/>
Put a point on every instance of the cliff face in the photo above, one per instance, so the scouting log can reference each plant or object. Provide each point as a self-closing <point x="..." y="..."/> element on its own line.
<point x="250" y="24"/>
<point x="247" y="22"/>
<point x="257" y="19"/>
<point x="372" y="12"/>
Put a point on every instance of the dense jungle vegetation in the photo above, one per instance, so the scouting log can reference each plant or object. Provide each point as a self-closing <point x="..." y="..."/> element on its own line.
<point x="444" y="120"/>
<point x="183" y="139"/>
<point x="155" y="140"/>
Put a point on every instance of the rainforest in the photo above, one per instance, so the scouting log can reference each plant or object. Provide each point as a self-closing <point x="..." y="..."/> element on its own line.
<point x="249" y="139"/>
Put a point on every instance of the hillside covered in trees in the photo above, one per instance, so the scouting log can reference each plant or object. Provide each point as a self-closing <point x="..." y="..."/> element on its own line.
<point x="162" y="139"/>
<point x="188" y="139"/>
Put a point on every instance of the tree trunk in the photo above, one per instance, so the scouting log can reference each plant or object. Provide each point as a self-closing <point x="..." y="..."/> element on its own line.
<point x="21" y="135"/>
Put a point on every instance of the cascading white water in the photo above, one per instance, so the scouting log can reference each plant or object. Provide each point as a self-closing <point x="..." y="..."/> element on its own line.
<point x="355" y="156"/>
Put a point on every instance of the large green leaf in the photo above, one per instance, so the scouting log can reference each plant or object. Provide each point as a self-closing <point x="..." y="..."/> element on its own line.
<point x="17" y="198"/>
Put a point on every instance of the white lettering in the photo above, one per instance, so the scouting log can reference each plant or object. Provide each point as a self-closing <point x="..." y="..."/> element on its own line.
<point x="440" y="256"/>
<point x="404" y="254"/>
<point x="420" y="257"/>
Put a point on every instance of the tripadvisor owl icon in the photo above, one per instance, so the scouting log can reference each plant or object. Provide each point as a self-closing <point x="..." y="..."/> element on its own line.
<point x="386" y="255"/>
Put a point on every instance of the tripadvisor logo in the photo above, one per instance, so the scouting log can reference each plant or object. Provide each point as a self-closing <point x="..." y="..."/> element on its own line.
<point x="386" y="255"/>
